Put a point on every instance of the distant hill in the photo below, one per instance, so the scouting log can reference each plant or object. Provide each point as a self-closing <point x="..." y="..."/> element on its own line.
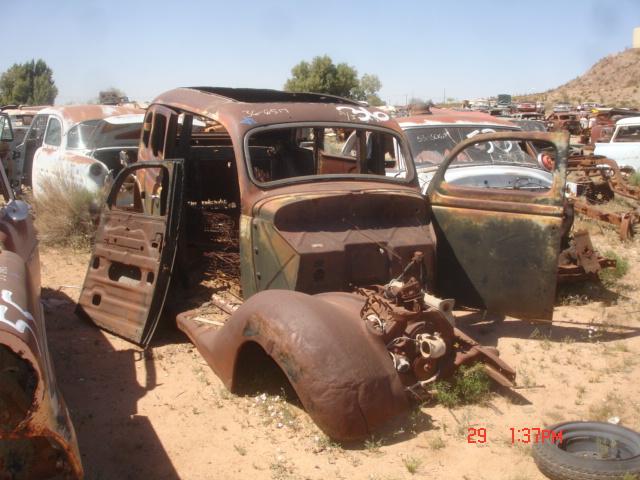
<point x="613" y="81"/>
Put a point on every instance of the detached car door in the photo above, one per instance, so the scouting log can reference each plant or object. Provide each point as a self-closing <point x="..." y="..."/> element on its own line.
<point x="499" y="236"/>
<point x="130" y="268"/>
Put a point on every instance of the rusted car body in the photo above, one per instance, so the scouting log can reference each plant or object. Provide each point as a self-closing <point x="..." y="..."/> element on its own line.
<point x="37" y="439"/>
<point x="602" y="122"/>
<point x="248" y="221"/>
<point x="562" y="107"/>
<point x="563" y="121"/>
<point x="79" y="144"/>
<point x="526" y="107"/>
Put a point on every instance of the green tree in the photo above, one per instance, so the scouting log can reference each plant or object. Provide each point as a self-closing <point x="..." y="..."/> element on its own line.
<point x="29" y="83"/>
<point x="370" y="85"/>
<point x="321" y="75"/>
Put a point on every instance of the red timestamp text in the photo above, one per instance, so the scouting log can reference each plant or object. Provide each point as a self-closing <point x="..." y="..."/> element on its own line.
<point x="534" y="435"/>
<point x="518" y="435"/>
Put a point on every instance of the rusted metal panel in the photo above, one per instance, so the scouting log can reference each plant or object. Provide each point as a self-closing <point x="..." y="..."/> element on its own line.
<point x="329" y="242"/>
<point x="445" y="116"/>
<point x="133" y="257"/>
<point x="493" y="242"/>
<point x="355" y="360"/>
<point x="579" y="261"/>
<point x="625" y="222"/>
<point x="343" y="376"/>
<point x="37" y="439"/>
<point x="74" y="114"/>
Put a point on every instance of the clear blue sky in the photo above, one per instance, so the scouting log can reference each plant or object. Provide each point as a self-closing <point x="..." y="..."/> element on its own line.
<point x="417" y="48"/>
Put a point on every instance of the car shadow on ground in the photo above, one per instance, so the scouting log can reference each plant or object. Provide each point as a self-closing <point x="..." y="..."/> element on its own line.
<point x="487" y="328"/>
<point x="101" y="389"/>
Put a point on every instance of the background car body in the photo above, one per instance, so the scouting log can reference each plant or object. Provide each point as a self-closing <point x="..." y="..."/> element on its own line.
<point x="624" y="146"/>
<point x="559" y="121"/>
<point x="431" y="137"/>
<point x="60" y="144"/>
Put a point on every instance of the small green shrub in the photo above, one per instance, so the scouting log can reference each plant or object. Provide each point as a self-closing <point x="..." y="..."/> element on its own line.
<point x="610" y="276"/>
<point x="634" y="179"/>
<point x="412" y="464"/>
<point x="468" y="385"/>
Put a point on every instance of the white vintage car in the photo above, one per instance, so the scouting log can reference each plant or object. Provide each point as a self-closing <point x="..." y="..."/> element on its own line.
<point x="503" y="165"/>
<point x="624" y="146"/>
<point x="82" y="144"/>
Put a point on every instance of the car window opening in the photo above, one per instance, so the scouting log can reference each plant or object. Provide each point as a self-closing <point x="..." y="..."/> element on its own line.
<point x="288" y="153"/>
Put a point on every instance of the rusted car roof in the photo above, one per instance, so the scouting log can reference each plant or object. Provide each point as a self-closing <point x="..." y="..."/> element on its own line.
<point x="74" y="114"/>
<point x="445" y="116"/>
<point x="243" y="108"/>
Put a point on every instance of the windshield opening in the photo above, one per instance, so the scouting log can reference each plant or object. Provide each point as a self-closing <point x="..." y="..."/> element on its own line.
<point x="94" y="134"/>
<point x="78" y="136"/>
<point x="430" y="145"/>
<point x="284" y="153"/>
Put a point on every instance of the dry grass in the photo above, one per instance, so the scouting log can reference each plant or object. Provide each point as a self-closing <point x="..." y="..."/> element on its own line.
<point x="63" y="213"/>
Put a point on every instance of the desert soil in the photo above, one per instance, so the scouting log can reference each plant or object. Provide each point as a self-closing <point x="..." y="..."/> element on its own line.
<point x="163" y="414"/>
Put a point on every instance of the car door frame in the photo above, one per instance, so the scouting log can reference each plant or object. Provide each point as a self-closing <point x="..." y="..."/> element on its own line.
<point x="138" y="329"/>
<point x="29" y="148"/>
<point x="47" y="158"/>
<point x="498" y="249"/>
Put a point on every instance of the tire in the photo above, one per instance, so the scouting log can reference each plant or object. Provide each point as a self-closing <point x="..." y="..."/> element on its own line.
<point x="588" y="451"/>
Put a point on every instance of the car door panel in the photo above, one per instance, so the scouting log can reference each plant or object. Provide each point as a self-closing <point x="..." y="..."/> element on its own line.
<point x="132" y="260"/>
<point x="498" y="249"/>
<point x="32" y="142"/>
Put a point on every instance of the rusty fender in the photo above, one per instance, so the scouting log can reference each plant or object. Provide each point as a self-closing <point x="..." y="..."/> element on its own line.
<point x="343" y="376"/>
<point x="37" y="439"/>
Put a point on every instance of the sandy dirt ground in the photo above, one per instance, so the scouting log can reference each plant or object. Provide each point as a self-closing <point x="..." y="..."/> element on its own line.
<point x="163" y="414"/>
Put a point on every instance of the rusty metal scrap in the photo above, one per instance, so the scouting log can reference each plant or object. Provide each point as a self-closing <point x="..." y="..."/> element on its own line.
<point x="423" y="342"/>
<point x="351" y="376"/>
<point x="580" y="260"/>
<point x="597" y="168"/>
<point x="37" y="439"/>
<point x="625" y="221"/>
<point x="599" y="180"/>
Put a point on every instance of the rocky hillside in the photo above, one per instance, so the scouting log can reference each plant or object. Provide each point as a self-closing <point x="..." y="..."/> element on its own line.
<point x="613" y="81"/>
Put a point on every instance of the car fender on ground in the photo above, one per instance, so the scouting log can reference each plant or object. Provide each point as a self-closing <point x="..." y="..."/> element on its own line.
<point x="342" y="374"/>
